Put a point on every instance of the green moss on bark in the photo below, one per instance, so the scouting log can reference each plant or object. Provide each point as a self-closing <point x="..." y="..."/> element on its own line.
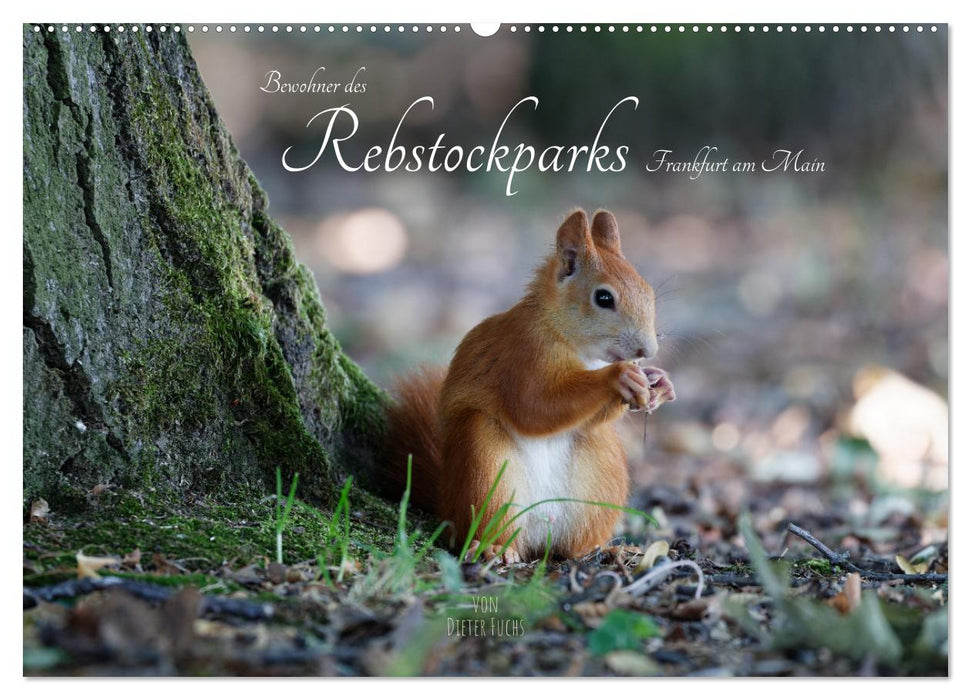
<point x="172" y="343"/>
<point x="202" y="536"/>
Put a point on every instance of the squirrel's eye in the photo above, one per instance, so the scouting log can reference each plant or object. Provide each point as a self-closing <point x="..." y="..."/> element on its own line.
<point x="603" y="299"/>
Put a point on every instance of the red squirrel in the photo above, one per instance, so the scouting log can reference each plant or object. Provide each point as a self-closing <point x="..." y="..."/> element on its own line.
<point x="538" y="388"/>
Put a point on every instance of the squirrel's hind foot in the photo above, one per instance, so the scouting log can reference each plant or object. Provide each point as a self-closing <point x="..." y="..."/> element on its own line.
<point x="494" y="551"/>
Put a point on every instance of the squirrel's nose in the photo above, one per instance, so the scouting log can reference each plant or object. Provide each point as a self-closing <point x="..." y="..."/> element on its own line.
<point x="648" y="350"/>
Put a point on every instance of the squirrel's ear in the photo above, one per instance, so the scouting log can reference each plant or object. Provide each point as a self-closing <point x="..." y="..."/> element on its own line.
<point x="605" y="232"/>
<point x="571" y="238"/>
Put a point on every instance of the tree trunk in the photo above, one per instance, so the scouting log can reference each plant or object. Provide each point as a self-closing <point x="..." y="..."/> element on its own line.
<point x="171" y="342"/>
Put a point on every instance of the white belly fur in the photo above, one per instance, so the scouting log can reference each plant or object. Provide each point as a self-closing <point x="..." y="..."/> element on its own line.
<point x="540" y="469"/>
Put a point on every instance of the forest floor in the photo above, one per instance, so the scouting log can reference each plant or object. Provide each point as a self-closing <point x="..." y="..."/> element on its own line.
<point x="720" y="585"/>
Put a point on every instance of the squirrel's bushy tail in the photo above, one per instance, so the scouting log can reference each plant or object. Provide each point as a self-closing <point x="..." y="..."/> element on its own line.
<point x="414" y="428"/>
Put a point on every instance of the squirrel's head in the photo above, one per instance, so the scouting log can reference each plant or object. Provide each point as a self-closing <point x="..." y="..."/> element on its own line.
<point x="602" y="304"/>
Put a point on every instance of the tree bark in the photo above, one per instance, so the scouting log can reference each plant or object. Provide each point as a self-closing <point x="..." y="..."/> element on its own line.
<point x="172" y="344"/>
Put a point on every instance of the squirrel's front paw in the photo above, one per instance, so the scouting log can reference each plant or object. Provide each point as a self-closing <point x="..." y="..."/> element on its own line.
<point x="660" y="390"/>
<point x="633" y="386"/>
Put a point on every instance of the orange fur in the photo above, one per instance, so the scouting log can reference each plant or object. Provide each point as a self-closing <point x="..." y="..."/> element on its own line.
<point x="414" y="429"/>
<point x="522" y="389"/>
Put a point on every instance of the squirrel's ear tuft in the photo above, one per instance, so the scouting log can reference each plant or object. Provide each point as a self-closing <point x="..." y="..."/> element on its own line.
<point x="605" y="232"/>
<point x="571" y="238"/>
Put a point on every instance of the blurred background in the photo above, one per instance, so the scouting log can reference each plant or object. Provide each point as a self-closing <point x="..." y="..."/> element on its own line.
<point x="804" y="316"/>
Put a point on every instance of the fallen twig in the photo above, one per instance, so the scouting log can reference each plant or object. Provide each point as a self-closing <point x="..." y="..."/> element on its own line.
<point x="146" y="591"/>
<point x="737" y="580"/>
<point x="653" y="577"/>
<point x="843" y="560"/>
<point x="743" y="580"/>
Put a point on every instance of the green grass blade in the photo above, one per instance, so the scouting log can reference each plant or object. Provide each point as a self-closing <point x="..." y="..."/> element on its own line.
<point x="495" y="529"/>
<point x="290" y="499"/>
<point x="477" y="518"/>
<point x="600" y="504"/>
<point x="510" y="541"/>
<point x="344" y="508"/>
<point x="468" y="538"/>
<point x="430" y="542"/>
<point x="540" y="569"/>
<point x="402" y="539"/>
<point x="491" y="532"/>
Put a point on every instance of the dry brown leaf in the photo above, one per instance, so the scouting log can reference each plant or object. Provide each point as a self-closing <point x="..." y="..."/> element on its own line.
<point x="551" y="623"/>
<point x="39" y="511"/>
<point x="133" y="558"/>
<point x="591" y="612"/>
<point x="276" y="572"/>
<point x="925" y="558"/>
<point x="295" y="575"/>
<point x="904" y="565"/>
<point x="178" y="618"/>
<point x="631" y="663"/>
<point x="709" y="609"/>
<point x="88" y="566"/>
<point x="350" y="566"/>
<point x="651" y="555"/>
<point x="911" y="568"/>
<point x="848" y="599"/>
<point x="693" y="610"/>
<point x="906" y="424"/>
<point x="219" y="630"/>
<point x="164" y="567"/>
